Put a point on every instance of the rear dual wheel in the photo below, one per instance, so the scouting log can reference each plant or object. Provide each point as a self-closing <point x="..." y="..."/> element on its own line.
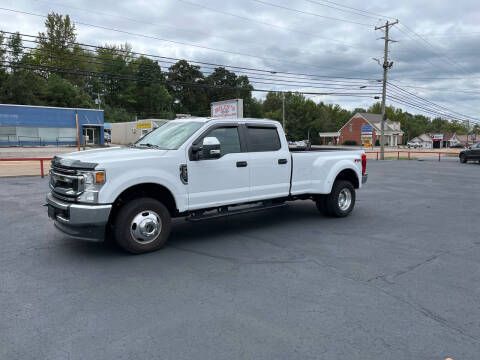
<point x="340" y="202"/>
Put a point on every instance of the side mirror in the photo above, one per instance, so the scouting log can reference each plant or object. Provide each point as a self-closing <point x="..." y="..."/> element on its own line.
<point x="211" y="148"/>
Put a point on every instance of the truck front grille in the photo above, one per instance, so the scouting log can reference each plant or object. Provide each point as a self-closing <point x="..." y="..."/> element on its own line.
<point x="66" y="183"/>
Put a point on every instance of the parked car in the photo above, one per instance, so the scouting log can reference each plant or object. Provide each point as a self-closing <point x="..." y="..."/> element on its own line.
<point x="197" y="168"/>
<point x="458" y="145"/>
<point x="300" y="145"/>
<point x="471" y="153"/>
<point x="414" y="145"/>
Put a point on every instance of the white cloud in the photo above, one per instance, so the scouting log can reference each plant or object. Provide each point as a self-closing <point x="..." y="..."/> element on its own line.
<point x="312" y="45"/>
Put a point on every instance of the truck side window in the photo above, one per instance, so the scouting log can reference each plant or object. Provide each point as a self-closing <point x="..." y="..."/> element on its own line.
<point x="229" y="139"/>
<point x="263" y="139"/>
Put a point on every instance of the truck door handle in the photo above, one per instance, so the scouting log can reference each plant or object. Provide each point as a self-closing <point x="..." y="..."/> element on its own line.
<point x="241" y="164"/>
<point x="282" y="161"/>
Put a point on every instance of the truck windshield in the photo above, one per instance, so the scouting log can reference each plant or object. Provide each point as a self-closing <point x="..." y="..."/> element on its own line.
<point x="170" y="136"/>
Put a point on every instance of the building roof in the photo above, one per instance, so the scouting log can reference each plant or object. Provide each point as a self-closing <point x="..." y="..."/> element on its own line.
<point x="448" y="136"/>
<point x="463" y="138"/>
<point x="376" y="121"/>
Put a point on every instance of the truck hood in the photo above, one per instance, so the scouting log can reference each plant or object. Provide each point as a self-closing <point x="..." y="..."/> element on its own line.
<point x="102" y="157"/>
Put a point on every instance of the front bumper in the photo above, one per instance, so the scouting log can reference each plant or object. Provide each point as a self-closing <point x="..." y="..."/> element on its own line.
<point x="80" y="221"/>
<point x="364" y="178"/>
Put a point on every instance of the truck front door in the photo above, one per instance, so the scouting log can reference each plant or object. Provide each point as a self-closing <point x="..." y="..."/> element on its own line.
<point x="219" y="181"/>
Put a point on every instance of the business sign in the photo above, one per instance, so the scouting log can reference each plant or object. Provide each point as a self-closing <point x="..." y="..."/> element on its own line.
<point x="437" y="137"/>
<point x="144" y="125"/>
<point x="367" y="134"/>
<point x="227" y="109"/>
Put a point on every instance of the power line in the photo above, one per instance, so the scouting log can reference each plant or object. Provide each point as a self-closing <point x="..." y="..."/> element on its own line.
<point x="451" y="62"/>
<point x="351" y="8"/>
<point x="253" y="80"/>
<point x="78" y="58"/>
<point x="453" y="90"/>
<point x="176" y="42"/>
<point x="426" y="106"/>
<point x="237" y="68"/>
<point x="432" y="103"/>
<point x="421" y="48"/>
<point x="141" y="79"/>
<point x="425" y="109"/>
<point x="420" y="105"/>
<point x="201" y="6"/>
<point x="168" y="40"/>
<point x="310" y="13"/>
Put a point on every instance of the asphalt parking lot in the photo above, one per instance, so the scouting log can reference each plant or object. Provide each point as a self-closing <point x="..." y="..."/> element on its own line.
<point x="398" y="279"/>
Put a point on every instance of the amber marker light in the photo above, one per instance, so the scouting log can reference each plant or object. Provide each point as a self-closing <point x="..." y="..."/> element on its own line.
<point x="100" y="177"/>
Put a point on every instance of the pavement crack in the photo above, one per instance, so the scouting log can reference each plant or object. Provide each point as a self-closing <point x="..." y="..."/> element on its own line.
<point x="390" y="278"/>
<point x="431" y="315"/>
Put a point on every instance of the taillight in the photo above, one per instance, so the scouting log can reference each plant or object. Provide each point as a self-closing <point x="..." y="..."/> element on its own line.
<point x="364" y="164"/>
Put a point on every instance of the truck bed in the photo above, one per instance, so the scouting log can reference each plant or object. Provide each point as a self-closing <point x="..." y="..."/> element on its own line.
<point x="312" y="169"/>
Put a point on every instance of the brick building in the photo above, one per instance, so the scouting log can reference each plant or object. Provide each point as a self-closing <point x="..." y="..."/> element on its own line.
<point x="364" y="128"/>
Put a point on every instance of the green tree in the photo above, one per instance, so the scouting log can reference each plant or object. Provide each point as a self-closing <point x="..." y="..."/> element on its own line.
<point x="186" y="84"/>
<point x="116" y="82"/>
<point x="15" y="50"/>
<point x="152" y="99"/>
<point x="23" y="87"/>
<point x="61" y="93"/>
<point x="56" y="44"/>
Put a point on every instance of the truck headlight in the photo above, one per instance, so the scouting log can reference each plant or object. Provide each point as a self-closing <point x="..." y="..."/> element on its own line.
<point x="92" y="182"/>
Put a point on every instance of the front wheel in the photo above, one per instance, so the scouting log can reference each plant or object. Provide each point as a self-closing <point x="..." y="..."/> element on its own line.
<point x="341" y="201"/>
<point x="463" y="158"/>
<point x="142" y="225"/>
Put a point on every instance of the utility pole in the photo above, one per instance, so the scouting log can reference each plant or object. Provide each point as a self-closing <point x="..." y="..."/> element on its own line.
<point x="468" y="129"/>
<point x="283" y="112"/>
<point x="386" y="65"/>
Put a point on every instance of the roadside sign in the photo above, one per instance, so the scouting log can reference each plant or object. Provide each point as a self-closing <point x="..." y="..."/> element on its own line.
<point x="227" y="109"/>
<point x="367" y="129"/>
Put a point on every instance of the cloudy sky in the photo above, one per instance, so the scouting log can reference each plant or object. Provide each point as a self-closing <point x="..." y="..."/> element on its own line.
<point x="436" y="56"/>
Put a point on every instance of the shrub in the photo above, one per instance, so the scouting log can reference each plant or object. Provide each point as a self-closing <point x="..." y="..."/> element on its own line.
<point x="349" y="142"/>
<point x="377" y="142"/>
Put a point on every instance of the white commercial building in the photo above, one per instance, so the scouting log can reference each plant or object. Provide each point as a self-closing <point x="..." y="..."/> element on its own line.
<point x="125" y="133"/>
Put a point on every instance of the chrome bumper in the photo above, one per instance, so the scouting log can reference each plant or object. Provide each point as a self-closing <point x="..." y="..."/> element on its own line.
<point x="364" y="178"/>
<point x="79" y="220"/>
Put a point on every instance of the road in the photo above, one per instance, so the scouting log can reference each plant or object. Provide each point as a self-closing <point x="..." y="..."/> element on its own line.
<point x="398" y="279"/>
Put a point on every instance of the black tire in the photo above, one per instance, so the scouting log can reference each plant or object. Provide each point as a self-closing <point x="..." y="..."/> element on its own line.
<point x="150" y="215"/>
<point x="320" y="201"/>
<point x="463" y="158"/>
<point x="332" y="199"/>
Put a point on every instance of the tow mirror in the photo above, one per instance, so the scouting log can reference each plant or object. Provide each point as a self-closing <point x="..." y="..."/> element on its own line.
<point x="211" y="148"/>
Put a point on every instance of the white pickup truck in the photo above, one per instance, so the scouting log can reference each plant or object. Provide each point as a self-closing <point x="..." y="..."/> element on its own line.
<point x="197" y="168"/>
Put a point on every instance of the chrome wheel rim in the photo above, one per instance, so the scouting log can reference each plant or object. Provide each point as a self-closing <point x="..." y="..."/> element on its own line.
<point x="145" y="227"/>
<point x="344" y="199"/>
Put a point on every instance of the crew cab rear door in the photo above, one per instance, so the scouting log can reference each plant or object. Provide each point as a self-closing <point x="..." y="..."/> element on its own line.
<point x="269" y="162"/>
<point x="219" y="181"/>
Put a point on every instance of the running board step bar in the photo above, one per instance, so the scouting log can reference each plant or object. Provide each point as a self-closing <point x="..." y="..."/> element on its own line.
<point x="223" y="213"/>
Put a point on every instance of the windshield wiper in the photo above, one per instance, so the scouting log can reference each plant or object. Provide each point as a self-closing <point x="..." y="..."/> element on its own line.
<point x="151" y="146"/>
